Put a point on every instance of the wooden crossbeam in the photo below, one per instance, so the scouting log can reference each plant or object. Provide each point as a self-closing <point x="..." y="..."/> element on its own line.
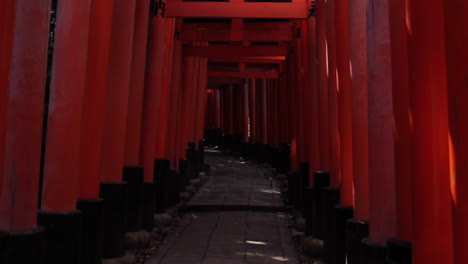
<point x="245" y="74"/>
<point x="252" y="32"/>
<point x="236" y="51"/>
<point x="297" y="9"/>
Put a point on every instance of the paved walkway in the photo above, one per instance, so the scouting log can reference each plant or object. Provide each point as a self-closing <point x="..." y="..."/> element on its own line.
<point x="235" y="218"/>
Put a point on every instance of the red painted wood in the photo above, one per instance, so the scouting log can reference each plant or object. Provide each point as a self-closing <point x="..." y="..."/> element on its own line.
<point x="324" y="132"/>
<point x="163" y="101"/>
<point x="382" y="192"/>
<point x="152" y="94"/>
<point x="401" y="109"/>
<point x="218" y="109"/>
<point x="113" y="147"/>
<point x="345" y="102"/>
<point x="358" y="61"/>
<point x="94" y="108"/>
<point x="65" y="115"/>
<point x="432" y="210"/>
<point x="244" y="74"/>
<point x="252" y="32"/>
<point x="245" y="112"/>
<point x="457" y="72"/>
<point x="237" y="9"/>
<point x="7" y="30"/>
<point x="299" y="60"/>
<point x="137" y="83"/>
<point x="187" y="95"/>
<point x="19" y="189"/>
<point x="312" y="95"/>
<point x="333" y="95"/>
<point x="235" y="51"/>
<point x="291" y="94"/>
<point x="253" y="110"/>
<point x="174" y="103"/>
<point x="203" y="84"/>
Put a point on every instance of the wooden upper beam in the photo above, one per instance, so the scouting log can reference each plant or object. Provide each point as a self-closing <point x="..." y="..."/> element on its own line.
<point x="250" y="32"/>
<point x="236" y="51"/>
<point x="297" y="9"/>
<point x="245" y="74"/>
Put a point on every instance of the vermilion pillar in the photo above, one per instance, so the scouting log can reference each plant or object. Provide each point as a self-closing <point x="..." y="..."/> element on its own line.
<point x="400" y="75"/>
<point x="7" y="22"/>
<point x="113" y="190"/>
<point x="457" y="71"/>
<point x="25" y="104"/>
<point x="432" y="210"/>
<point x="311" y="95"/>
<point x="162" y="116"/>
<point x="291" y="95"/>
<point x="152" y="93"/>
<point x="382" y="192"/>
<point x="137" y="80"/>
<point x="187" y="94"/>
<point x="113" y="148"/>
<point x="299" y="60"/>
<point x="358" y="63"/>
<point x="203" y="85"/>
<point x="229" y="109"/>
<point x="333" y="94"/>
<point x="253" y="110"/>
<point x="263" y="112"/>
<point x="217" y="103"/>
<point x="322" y="85"/>
<point x="345" y="102"/>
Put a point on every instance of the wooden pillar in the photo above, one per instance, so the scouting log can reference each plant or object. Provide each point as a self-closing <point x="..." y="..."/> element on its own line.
<point x="253" y="110"/>
<point x="162" y="111"/>
<point x="263" y="112"/>
<point x="113" y="147"/>
<point x="333" y="95"/>
<point x="344" y="102"/>
<point x="137" y="83"/>
<point x="400" y="75"/>
<point x="382" y="192"/>
<point x="322" y="46"/>
<point x="217" y="107"/>
<point x="456" y="34"/>
<point x="187" y="95"/>
<point x="432" y="210"/>
<point x="152" y="93"/>
<point x="359" y="84"/>
<point x="25" y="104"/>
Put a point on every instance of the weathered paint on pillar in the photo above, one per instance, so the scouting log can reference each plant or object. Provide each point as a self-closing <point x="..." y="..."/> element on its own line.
<point x="152" y="93"/>
<point x="137" y="83"/>
<point x="163" y="101"/>
<point x="333" y="95"/>
<point x="432" y="210"/>
<point x="7" y="30"/>
<point x="63" y="143"/>
<point x="311" y="96"/>
<point x="358" y="61"/>
<point x="345" y="102"/>
<point x="399" y="43"/>
<point x="382" y="220"/>
<point x="113" y="147"/>
<point x="322" y="59"/>
<point x="94" y="108"/>
<point x="456" y="23"/>
<point x="19" y="191"/>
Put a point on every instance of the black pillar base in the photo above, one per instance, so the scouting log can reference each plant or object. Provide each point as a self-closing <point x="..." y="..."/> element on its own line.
<point x="173" y="188"/>
<point x="356" y="230"/>
<point x="115" y="209"/>
<point x="331" y="198"/>
<point x="134" y="176"/>
<point x="321" y="180"/>
<point x="309" y="210"/>
<point x="184" y="177"/>
<point x="149" y="192"/>
<point x="161" y="177"/>
<point x="23" y="247"/>
<point x="399" y="252"/>
<point x="93" y="217"/>
<point x="63" y="236"/>
<point x="374" y="253"/>
<point x="342" y="214"/>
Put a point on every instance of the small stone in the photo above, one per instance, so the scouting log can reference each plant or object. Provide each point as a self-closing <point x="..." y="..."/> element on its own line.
<point x="190" y="189"/>
<point x="313" y="247"/>
<point x="195" y="182"/>
<point x="162" y="219"/>
<point x="136" y="240"/>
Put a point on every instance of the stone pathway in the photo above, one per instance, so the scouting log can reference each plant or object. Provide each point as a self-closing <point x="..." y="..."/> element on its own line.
<point x="236" y="217"/>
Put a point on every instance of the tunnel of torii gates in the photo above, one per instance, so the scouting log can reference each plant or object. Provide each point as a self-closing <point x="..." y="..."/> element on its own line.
<point x="363" y="103"/>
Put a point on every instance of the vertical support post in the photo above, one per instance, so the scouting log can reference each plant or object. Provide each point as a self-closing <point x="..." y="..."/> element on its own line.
<point x="187" y="95"/>
<point x="322" y="84"/>
<point x="457" y="72"/>
<point x="22" y="149"/>
<point x="382" y="190"/>
<point x="357" y="228"/>
<point x="253" y="110"/>
<point x="432" y="210"/>
<point x="333" y="95"/>
<point x="113" y="189"/>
